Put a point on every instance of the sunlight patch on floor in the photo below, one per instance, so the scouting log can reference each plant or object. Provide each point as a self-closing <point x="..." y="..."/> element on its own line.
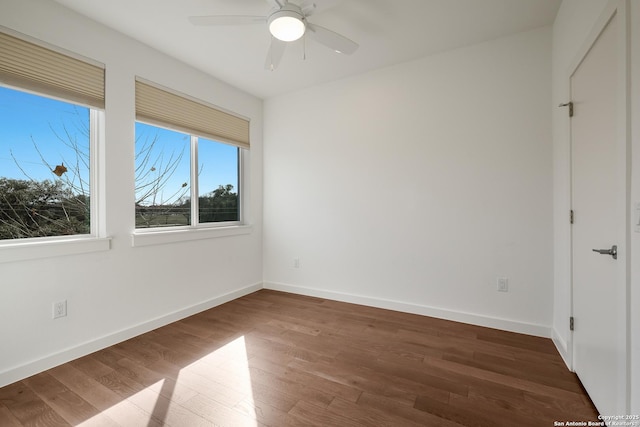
<point x="225" y="372"/>
<point x="214" y="389"/>
<point x="127" y="412"/>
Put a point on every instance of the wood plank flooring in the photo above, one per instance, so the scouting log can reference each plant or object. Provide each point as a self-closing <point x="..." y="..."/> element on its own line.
<point x="278" y="359"/>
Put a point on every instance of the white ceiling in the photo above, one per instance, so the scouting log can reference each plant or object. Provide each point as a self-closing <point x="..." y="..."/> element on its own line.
<point x="388" y="31"/>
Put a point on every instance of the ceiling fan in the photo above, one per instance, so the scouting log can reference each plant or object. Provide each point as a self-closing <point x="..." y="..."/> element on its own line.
<point x="287" y="22"/>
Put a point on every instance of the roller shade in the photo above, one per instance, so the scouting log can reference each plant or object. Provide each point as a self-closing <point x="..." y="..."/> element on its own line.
<point x="36" y="68"/>
<point x="163" y="108"/>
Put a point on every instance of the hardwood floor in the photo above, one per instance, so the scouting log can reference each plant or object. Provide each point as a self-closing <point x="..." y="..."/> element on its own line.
<point x="277" y="359"/>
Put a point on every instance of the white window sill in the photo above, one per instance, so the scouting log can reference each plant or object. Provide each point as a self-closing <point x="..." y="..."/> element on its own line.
<point x="22" y="250"/>
<point x="164" y="236"/>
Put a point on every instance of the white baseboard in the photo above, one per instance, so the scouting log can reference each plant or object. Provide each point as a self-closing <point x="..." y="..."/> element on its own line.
<point x="35" y="366"/>
<point x="563" y="348"/>
<point x="457" y="316"/>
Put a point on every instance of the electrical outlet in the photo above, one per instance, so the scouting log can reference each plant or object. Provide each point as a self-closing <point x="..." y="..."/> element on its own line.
<point x="296" y="263"/>
<point x="503" y="284"/>
<point x="59" y="309"/>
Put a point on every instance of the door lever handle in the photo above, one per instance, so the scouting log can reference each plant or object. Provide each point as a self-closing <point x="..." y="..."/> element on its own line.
<point x="613" y="251"/>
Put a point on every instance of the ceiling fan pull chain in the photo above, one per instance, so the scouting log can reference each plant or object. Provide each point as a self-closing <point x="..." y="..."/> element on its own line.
<point x="271" y="67"/>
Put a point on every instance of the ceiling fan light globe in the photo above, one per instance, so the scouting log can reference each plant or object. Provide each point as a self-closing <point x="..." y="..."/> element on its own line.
<point x="286" y="26"/>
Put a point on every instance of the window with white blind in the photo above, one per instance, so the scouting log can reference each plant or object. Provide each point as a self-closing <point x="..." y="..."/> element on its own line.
<point x="187" y="162"/>
<point x="50" y="109"/>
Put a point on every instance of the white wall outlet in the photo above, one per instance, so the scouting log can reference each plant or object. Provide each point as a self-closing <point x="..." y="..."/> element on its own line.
<point x="503" y="284"/>
<point x="59" y="309"/>
<point x="296" y="263"/>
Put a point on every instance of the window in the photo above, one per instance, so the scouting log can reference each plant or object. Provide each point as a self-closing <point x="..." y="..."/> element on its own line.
<point x="49" y="109"/>
<point x="187" y="163"/>
<point x="164" y="184"/>
<point x="44" y="164"/>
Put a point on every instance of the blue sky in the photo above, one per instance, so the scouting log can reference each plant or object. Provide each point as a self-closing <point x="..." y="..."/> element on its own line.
<point x="218" y="162"/>
<point x="27" y="121"/>
<point x="28" y="128"/>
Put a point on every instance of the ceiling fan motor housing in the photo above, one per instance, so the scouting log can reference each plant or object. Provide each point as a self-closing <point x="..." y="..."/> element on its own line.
<point x="287" y="23"/>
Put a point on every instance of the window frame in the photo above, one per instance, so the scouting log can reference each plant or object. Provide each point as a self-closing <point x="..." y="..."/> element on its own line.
<point x="184" y="233"/>
<point x="12" y="250"/>
<point x="194" y="186"/>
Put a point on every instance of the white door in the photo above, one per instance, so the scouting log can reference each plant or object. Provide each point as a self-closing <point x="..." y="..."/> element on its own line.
<point x="598" y="337"/>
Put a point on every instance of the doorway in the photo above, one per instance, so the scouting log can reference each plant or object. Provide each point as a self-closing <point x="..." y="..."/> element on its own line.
<point x="599" y="201"/>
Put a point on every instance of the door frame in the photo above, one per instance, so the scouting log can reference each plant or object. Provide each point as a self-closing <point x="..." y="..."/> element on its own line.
<point x="623" y="188"/>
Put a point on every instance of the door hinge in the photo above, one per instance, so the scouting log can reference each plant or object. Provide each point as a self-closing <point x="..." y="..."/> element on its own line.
<point x="571" y="216"/>
<point x="570" y="105"/>
<point x="571" y="323"/>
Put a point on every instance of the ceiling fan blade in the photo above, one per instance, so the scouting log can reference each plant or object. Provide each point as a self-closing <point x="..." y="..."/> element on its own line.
<point x="308" y="7"/>
<point x="275" y="53"/>
<point x="227" y="20"/>
<point x="332" y="40"/>
<point x="276" y="3"/>
<point x="312" y="7"/>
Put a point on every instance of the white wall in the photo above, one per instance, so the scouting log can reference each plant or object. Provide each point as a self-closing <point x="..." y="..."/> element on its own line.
<point x="414" y="187"/>
<point x="574" y="22"/>
<point x="122" y="292"/>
